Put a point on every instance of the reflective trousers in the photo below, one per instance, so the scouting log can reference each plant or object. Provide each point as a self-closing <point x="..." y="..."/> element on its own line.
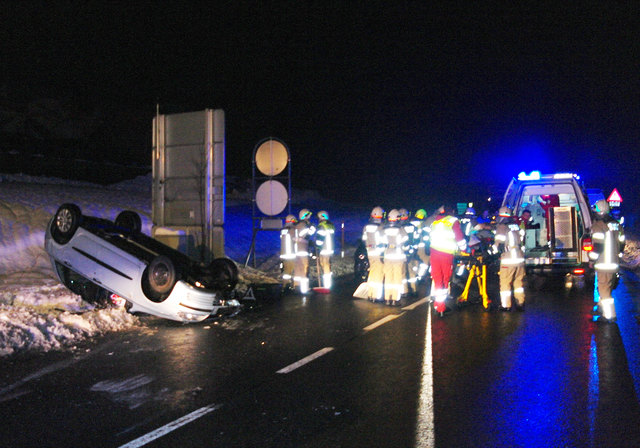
<point x="376" y="276"/>
<point x="324" y="262"/>
<point x="393" y="279"/>
<point x="300" y="276"/>
<point x="441" y="270"/>
<point x="288" y="267"/>
<point x="511" y="278"/>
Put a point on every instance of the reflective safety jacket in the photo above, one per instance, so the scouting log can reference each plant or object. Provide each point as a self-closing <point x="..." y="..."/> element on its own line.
<point x="467" y="223"/>
<point x="303" y="232"/>
<point x="411" y="243"/>
<point x="394" y="240"/>
<point x="325" y="237"/>
<point x="287" y="244"/>
<point x="508" y="241"/>
<point x="372" y="237"/>
<point x="608" y="243"/>
<point x="446" y="235"/>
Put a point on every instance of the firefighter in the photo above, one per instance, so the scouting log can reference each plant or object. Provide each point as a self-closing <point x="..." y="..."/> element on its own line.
<point x="304" y="230"/>
<point x="394" y="240"/>
<point x="608" y="244"/>
<point x="288" y="250"/>
<point x="468" y="221"/>
<point x="372" y="237"/>
<point x="325" y="243"/>
<point x="508" y="243"/>
<point x="410" y="248"/>
<point x="446" y="238"/>
<point x="421" y="240"/>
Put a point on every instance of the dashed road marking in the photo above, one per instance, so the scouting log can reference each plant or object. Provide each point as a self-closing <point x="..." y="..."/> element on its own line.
<point x="305" y="360"/>
<point x="382" y="321"/>
<point x="415" y="305"/>
<point x="166" y="429"/>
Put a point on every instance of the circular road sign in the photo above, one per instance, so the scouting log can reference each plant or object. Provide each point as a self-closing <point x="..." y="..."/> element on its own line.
<point x="271" y="197"/>
<point x="271" y="157"/>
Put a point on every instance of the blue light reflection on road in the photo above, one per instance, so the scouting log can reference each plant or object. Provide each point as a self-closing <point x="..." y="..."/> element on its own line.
<point x="626" y="298"/>
<point x="544" y="378"/>
<point x="594" y="388"/>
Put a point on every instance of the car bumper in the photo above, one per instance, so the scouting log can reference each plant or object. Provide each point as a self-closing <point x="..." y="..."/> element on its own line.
<point x="186" y="303"/>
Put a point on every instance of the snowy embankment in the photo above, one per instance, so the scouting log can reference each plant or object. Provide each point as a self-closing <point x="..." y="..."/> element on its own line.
<point x="38" y="313"/>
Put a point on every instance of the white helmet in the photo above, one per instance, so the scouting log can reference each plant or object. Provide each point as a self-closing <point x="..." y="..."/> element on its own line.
<point x="291" y="219"/>
<point x="404" y="214"/>
<point x="393" y="215"/>
<point x="304" y="214"/>
<point x="323" y="216"/>
<point x="377" y="213"/>
<point x="602" y="207"/>
<point x="504" y="212"/>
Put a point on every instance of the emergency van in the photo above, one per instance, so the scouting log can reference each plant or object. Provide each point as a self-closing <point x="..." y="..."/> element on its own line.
<point x="558" y="237"/>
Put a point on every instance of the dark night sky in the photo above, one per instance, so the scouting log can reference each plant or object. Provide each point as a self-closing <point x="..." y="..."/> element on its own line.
<point x="377" y="101"/>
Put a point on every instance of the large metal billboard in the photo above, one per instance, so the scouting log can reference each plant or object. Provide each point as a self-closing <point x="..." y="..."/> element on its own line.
<point x="188" y="196"/>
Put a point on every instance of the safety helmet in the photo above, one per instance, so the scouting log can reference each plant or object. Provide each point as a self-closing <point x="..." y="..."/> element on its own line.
<point x="393" y="215"/>
<point x="404" y="214"/>
<point x="290" y="219"/>
<point x="323" y="216"/>
<point x="377" y="213"/>
<point x="421" y="213"/>
<point x="602" y="207"/>
<point x="470" y="211"/>
<point x="504" y="212"/>
<point x="304" y="214"/>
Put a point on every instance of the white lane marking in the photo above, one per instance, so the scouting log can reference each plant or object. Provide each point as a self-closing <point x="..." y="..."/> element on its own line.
<point x="382" y="321"/>
<point x="415" y="305"/>
<point x="425" y="431"/>
<point x="305" y="360"/>
<point x="153" y="435"/>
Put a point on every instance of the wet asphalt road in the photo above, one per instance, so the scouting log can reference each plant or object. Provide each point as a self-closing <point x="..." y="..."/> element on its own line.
<point x="375" y="376"/>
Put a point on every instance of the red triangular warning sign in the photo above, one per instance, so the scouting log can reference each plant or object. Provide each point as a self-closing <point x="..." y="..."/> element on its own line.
<point x="614" y="196"/>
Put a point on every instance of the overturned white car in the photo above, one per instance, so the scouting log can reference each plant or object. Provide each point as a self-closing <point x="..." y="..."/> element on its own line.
<point x="95" y="258"/>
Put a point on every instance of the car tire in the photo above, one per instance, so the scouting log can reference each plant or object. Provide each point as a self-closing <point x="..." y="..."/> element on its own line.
<point x="161" y="275"/>
<point x="224" y="273"/>
<point x="129" y="221"/>
<point x="65" y="223"/>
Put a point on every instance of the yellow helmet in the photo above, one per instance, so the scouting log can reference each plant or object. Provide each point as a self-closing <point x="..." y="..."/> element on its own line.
<point x="420" y="213"/>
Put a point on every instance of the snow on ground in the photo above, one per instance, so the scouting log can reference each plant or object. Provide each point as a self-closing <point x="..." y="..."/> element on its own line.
<point x="38" y="313"/>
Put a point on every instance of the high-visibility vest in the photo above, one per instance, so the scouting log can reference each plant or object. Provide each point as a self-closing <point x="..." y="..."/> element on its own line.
<point x="325" y="237"/>
<point x="509" y="236"/>
<point x="442" y="237"/>
<point x="287" y="244"/>
<point x="607" y="239"/>
<point x="372" y="237"/>
<point x="394" y="239"/>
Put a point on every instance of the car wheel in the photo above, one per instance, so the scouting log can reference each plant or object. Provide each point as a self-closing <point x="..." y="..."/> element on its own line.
<point x="129" y="220"/>
<point x="65" y="223"/>
<point x="224" y="273"/>
<point x="161" y="275"/>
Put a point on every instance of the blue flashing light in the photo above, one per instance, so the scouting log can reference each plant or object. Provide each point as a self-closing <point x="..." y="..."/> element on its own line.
<point x="533" y="175"/>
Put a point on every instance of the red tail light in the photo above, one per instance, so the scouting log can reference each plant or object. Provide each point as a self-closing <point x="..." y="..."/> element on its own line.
<point x="578" y="271"/>
<point x="587" y="245"/>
